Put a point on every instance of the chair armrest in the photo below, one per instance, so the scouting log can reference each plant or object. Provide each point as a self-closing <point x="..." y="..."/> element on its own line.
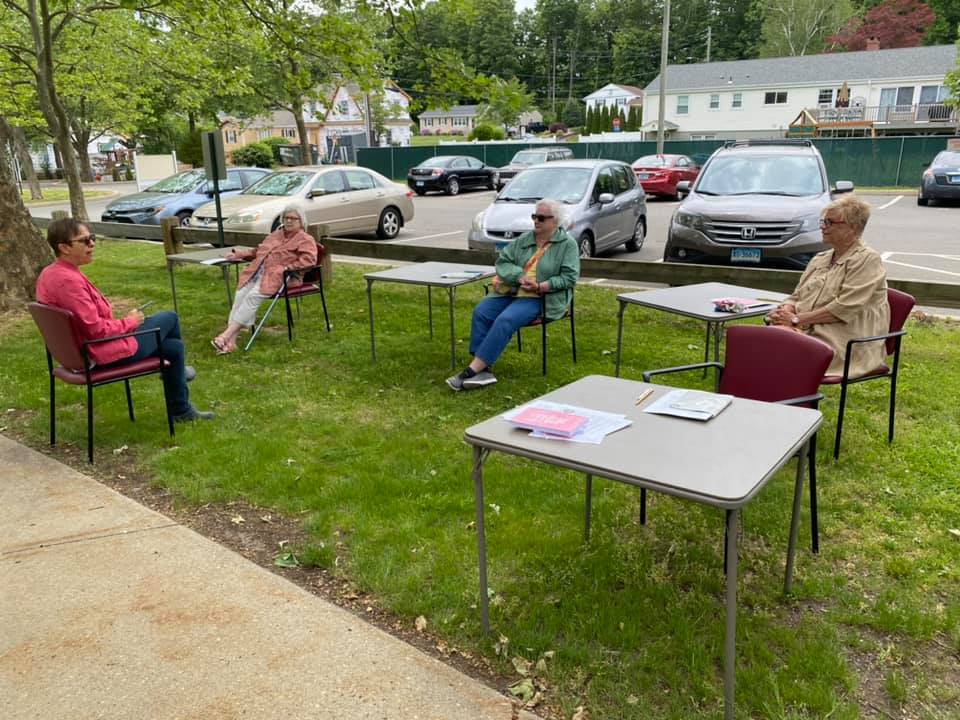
<point x="133" y="333"/>
<point x="873" y="338"/>
<point x="681" y="368"/>
<point x="803" y="400"/>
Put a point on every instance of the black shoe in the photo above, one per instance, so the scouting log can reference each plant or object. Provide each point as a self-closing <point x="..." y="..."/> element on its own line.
<point x="193" y="414"/>
<point x="190" y="372"/>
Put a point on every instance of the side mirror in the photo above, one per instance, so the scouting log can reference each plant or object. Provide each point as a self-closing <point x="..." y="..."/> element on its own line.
<point x="683" y="186"/>
<point x="605" y="198"/>
<point x="317" y="192"/>
<point x="843" y="186"/>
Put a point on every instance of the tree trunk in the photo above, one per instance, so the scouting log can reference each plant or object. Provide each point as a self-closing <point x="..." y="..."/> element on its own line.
<point x="83" y="155"/>
<point x="27" y="170"/>
<point x="23" y="252"/>
<point x="305" y="153"/>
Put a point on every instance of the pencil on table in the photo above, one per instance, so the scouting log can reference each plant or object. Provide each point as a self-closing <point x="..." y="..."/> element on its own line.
<point x="644" y="395"/>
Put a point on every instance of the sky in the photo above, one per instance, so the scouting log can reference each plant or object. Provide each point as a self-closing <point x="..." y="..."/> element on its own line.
<point x="521" y="5"/>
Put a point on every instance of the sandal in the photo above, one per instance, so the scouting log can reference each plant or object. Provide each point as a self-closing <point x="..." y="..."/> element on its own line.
<point x="220" y="347"/>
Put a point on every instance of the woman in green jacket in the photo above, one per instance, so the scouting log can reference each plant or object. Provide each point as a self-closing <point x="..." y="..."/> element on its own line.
<point x="541" y="262"/>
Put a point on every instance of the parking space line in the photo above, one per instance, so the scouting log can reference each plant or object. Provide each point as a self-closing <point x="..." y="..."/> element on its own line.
<point x="886" y="205"/>
<point x="933" y="255"/>
<point x="428" y="237"/>
<point x="921" y="267"/>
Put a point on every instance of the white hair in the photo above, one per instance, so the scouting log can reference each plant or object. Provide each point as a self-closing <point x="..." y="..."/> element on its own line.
<point x="557" y="209"/>
<point x="299" y="213"/>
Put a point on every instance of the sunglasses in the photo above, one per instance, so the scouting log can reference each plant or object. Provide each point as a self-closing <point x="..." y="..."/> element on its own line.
<point x="540" y="218"/>
<point x="87" y="240"/>
<point x="827" y="222"/>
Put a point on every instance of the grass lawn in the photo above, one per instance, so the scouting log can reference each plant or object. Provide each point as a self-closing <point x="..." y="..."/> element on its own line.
<point x="426" y="140"/>
<point x="629" y="625"/>
<point x="61" y="195"/>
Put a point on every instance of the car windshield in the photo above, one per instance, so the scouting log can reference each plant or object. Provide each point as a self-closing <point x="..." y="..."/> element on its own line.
<point x="651" y="161"/>
<point x="282" y="183"/>
<point x="761" y="175"/>
<point x="568" y="185"/>
<point x="180" y="183"/>
<point x="529" y="157"/>
<point x="437" y="162"/>
<point x="948" y="158"/>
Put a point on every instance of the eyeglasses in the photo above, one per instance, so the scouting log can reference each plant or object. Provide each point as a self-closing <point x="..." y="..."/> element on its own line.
<point x="87" y="240"/>
<point x="292" y="218"/>
<point x="827" y="222"/>
<point x="536" y="217"/>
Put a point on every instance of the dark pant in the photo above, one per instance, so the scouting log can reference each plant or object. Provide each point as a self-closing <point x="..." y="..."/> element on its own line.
<point x="495" y="319"/>
<point x="174" y="377"/>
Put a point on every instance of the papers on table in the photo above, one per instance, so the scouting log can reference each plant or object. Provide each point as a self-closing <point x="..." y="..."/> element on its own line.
<point x="464" y="274"/>
<point x="693" y="404"/>
<point x="739" y="304"/>
<point x="599" y="424"/>
<point x="214" y="261"/>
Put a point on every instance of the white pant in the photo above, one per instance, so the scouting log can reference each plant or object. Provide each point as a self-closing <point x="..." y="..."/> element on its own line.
<point x="246" y="302"/>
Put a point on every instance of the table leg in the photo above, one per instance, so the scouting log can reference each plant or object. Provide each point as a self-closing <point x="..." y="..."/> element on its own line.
<point x="430" y="308"/>
<point x="588" y="504"/>
<point x="451" y="292"/>
<point x="795" y="518"/>
<point x="730" y="639"/>
<point x="173" y="284"/>
<point x="373" y="344"/>
<point x="479" y="455"/>
<point x="706" y="343"/>
<point x="717" y="338"/>
<point x="623" y="306"/>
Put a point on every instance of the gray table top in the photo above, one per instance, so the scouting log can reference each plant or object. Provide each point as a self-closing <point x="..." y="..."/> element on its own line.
<point x="723" y="462"/>
<point x="199" y="256"/>
<point x="431" y="273"/>
<point x="696" y="300"/>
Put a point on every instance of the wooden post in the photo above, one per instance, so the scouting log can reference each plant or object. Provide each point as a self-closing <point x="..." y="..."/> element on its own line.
<point x="321" y="232"/>
<point x="59" y="214"/>
<point x="171" y="245"/>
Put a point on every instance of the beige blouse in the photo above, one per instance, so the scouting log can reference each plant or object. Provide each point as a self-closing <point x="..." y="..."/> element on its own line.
<point x="854" y="290"/>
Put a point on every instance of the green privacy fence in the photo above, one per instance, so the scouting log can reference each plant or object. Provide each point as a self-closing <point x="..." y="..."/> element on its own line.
<point x="876" y="162"/>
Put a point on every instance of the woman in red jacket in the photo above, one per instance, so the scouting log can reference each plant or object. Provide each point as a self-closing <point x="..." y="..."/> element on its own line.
<point x="287" y="248"/>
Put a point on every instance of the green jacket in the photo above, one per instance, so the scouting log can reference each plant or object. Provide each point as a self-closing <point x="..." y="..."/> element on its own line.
<point x="559" y="266"/>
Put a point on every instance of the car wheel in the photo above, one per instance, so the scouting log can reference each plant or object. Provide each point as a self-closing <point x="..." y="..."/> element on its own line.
<point x="420" y="191"/>
<point x="585" y="243"/>
<point x="639" y="235"/>
<point x="453" y="186"/>
<point x="389" y="225"/>
<point x="921" y="200"/>
<point x="491" y="185"/>
<point x="183" y="218"/>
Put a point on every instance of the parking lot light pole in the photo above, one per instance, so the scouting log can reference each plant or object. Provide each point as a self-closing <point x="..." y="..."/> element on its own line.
<point x="664" y="48"/>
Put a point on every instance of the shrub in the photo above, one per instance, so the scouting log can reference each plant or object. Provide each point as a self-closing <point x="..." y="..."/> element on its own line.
<point x="557" y="127"/>
<point x="487" y="132"/>
<point x="426" y="131"/>
<point x="275" y="143"/>
<point x="257" y="154"/>
<point x="128" y="175"/>
<point x="190" y="149"/>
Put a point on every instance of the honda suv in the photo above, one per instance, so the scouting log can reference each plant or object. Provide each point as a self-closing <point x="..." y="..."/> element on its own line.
<point x="756" y="202"/>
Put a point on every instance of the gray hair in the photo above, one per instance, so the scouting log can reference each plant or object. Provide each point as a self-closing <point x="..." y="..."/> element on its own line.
<point x="557" y="209"/>
<point x="299" y="213"/>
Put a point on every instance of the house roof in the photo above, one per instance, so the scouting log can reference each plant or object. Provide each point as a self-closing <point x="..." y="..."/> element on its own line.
<point x="456" y="110"/>
<point x="629" y="89"/>
<point x="862" y="66"/>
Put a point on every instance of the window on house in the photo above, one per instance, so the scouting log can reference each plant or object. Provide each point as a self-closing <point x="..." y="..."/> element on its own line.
<point x="776" y="97"/>
<point x="683" y="104"/>
<point x="714" y="102"/>
<point x="343" y="107"/>
<point x="737" y="101"/>
<point x="263" y="134"/>
<point x="703" y="137"/>
<point x="825" y="97"/>
<point x="289" y="132"/>
<point x="230" y="137"/>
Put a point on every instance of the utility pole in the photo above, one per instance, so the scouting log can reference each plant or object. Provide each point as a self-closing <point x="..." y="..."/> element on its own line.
<point x="371" y="140"/>
<point x="554" y="83"/>
<point x="664" y="49"/>
<point x="709" y="38"/>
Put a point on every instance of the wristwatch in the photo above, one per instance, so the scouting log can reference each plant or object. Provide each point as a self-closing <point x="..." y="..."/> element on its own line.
<point x="795" y="320"/>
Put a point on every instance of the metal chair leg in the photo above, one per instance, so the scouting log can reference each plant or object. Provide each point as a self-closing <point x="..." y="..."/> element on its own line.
<point x="323" y="301"/>
<point x="573" y="332"/>
<point x="53" y="404"/>
<point x="126" y="386"/>
<point x="286" y="300"/>
<point x="543" y="340"/>
<point x="90" y="423"/>
<point x="843" y="404"/>
<point x="643" y="506"/>
<point x="814" y="523"/>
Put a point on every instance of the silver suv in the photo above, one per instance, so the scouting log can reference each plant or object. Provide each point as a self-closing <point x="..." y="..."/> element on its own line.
<point x="605" y="206"/>
<point x="756" y="202"/>
<point x="525" y="158"/>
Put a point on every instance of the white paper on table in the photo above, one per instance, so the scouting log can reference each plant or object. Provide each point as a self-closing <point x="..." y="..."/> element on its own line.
<point x="599" y="423"/>
<point x="692" y="404"/>
<point x="213" y="261"/>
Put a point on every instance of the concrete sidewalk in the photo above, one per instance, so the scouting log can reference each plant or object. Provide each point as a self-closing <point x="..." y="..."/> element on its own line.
<point x="110" y="610"/>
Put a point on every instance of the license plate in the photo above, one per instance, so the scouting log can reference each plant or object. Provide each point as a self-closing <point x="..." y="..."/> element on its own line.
<point x="745" y="255"/>
<point x="953" y="179"/>
<point x="643" y="176"/>
<point x="420" y="183"/>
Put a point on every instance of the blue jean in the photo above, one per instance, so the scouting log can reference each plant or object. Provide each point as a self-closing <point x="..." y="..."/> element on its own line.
<point x="495" y="319"/>
<point x="175" y="377"/>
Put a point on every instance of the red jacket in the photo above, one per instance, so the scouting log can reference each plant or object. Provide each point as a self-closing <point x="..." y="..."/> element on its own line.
<point x="63" y="285"/>
<point x="276" y="254"/>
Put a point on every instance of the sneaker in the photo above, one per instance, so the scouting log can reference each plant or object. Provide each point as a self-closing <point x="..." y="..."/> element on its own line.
<point x="456" y="382"/>
<point x="193" y="414"/>
<point x="190" y="372"/>
<point x="482" y="378"/>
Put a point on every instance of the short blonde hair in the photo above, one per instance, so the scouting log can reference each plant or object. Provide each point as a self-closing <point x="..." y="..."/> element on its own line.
<point x="854" y="211"/>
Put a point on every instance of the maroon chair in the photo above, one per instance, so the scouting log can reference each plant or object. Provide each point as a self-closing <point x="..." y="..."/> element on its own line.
<point x="75" y="367"/>
<point x="310" y="283"/>
<point x="542" y="321"/>
<point x="900" y="306"/>
<point x="770" y="365"/>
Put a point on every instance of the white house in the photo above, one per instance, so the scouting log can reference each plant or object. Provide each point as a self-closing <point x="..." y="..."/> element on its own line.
<point x="871" y="92"/>
<point x="344" y="113"/>
<point x="615" y="96"/>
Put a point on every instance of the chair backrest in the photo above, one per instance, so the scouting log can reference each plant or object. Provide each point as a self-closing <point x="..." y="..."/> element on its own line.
<point x="59" y="334"/>
<point x="773" y="364"/>
<point x="900" y="306"/>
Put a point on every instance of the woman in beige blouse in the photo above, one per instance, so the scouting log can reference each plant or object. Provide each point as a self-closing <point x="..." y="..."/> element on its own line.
<point x="843" y="292"/>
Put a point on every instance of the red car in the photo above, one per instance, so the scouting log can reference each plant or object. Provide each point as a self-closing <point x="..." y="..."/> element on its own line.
<point x="659" y="174"/>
